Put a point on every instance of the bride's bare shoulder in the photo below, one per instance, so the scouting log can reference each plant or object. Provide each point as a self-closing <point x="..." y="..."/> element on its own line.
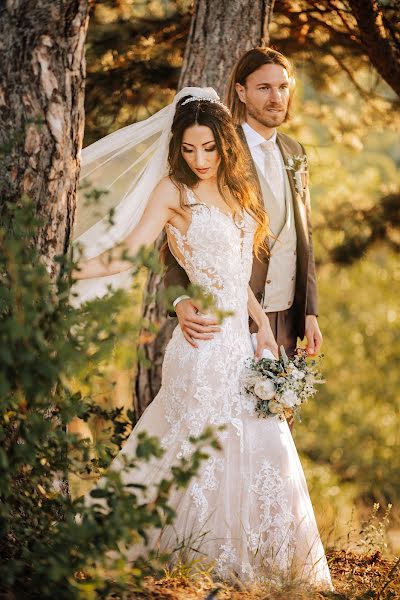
<point x="167" y="190"/>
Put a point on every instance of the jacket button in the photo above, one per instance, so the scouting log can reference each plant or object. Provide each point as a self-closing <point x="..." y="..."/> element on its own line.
<point x="268" y="281"/>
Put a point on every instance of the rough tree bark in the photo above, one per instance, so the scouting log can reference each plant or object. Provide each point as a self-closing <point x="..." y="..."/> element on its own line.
<point x="380" y="39"/>
<point x="42" y="75"/>
<point x="221" y="30"/>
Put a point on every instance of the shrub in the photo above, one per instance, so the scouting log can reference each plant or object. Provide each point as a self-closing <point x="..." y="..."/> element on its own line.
<point x="44" y="344"/>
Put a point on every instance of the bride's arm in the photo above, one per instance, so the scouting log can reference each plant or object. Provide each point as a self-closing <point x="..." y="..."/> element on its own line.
<point x="265" y="337"/>
<point x="157" y="213"/>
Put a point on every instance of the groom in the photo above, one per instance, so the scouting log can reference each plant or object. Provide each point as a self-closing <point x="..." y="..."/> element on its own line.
<point x="259" y="97"/>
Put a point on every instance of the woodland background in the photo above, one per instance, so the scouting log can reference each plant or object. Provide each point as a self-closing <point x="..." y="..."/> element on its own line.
<point x="346" y="113"/>
<point x="348" y="120"/>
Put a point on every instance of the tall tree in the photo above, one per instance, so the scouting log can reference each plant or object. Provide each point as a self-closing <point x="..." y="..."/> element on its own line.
<point x="221" y="30"/>
<point x="379" y="32"/>
<point x="42" y="77"/>
<point x="330" y="37"/>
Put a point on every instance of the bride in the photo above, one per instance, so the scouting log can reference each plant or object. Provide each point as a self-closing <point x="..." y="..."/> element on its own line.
<point x="249" y="505"/>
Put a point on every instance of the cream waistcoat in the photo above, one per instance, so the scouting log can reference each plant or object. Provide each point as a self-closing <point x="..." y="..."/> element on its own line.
<point x="281" y="277"/>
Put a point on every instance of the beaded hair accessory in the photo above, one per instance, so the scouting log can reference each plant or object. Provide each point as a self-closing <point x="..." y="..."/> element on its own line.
<point x="205" y="99"/>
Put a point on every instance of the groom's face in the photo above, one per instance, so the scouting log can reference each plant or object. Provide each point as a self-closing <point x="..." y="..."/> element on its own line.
<point x="266" y="95"/>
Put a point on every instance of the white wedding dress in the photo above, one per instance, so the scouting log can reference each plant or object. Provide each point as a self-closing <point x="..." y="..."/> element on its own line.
<point x="248" y="510"/>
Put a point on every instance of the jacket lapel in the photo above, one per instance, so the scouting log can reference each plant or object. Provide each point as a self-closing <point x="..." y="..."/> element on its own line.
<point x="299" y="208"/>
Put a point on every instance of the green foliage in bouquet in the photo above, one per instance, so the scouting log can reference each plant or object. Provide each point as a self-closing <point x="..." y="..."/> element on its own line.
<point x="45" y="551"/>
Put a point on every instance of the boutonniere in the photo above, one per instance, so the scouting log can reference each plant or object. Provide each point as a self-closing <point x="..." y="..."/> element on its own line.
<point x="297" y="164"/>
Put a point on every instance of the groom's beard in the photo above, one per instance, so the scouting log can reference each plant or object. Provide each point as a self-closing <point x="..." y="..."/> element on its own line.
<point x="266" y="116"/>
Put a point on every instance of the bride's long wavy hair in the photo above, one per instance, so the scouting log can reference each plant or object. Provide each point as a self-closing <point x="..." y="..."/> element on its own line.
<point x="235" y="171"/>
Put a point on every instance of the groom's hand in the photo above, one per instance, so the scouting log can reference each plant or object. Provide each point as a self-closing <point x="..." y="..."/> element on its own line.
<point x="313" y="335"/>
<point x="194" y="325"/>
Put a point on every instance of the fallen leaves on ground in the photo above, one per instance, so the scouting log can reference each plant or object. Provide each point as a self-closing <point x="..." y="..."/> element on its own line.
<point x="355" y="577"/>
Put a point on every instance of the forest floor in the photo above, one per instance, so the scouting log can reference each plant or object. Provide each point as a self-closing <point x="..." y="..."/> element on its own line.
<point x="355" y="577"/>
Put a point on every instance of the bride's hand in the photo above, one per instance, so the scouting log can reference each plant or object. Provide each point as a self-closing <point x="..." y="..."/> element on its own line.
<point x="265" y="339"/>
<point x="76" y="275"/>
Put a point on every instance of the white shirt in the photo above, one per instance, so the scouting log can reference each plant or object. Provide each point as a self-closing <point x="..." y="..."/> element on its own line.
<point x="254" y="141"/>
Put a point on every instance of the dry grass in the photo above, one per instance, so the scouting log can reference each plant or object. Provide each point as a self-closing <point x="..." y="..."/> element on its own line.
<point x="355" y="577"/>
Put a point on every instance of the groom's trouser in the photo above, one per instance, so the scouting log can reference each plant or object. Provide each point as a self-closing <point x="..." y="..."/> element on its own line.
<point x="283" y="327"/>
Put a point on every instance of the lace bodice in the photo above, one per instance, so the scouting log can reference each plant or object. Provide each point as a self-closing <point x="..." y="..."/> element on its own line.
<point x="216" y="252"/>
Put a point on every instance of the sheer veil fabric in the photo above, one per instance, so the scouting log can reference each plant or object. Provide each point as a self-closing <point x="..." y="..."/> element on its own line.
<point x="124" y="167"/>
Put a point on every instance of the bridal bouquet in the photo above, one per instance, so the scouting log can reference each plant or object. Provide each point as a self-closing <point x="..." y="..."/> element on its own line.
<point x="282" y="386"/>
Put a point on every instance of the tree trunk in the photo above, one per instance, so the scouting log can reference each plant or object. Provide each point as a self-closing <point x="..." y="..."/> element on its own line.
<point x="221" y="31"/>
<point x="42" y="78"/>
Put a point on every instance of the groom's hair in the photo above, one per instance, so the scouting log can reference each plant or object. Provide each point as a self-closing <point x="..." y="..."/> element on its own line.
<point x="245" y="66"/>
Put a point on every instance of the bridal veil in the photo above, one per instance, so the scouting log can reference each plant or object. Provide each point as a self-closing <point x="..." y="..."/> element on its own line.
<point x="121" y="170"/>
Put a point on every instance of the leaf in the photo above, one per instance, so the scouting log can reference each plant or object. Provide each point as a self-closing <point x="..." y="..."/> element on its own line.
<point x="99" y="493"/>
<point x="284" y="356"/>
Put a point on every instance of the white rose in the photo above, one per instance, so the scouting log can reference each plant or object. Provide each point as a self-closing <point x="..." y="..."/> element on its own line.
<point x="296" y="373"/>
<point x="274" y="407"/>
<point x="288" y="399"/>
<point x="265" y="389"/>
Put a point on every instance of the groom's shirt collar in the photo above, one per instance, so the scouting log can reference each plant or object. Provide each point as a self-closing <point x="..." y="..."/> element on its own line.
<point x="254" y="141"/>
<point x="253" y="138"/>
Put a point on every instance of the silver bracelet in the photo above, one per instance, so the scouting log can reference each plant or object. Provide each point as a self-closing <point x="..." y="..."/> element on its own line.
<point x="183" y="297"/>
